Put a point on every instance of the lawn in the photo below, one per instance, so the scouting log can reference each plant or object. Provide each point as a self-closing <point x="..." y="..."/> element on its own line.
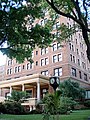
<point x="76" y="115"/>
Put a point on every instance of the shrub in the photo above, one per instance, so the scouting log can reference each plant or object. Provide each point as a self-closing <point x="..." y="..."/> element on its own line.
<point x="12" y="108"/>
<point x="87" y="103"/>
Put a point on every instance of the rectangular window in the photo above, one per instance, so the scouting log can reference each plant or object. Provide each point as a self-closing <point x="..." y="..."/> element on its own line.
<point x="29" y="66"/>
<point x="9" y="62"/>
<point x="78" y="62"/>
<point x="16" y="69"/>
<point x="73" y="70"/>
<point x="58" y="71"/>
<point x="42" y="62"/>
<point x="80" y="75"/>
<point x="85" y="77"/>
<point x="19" y="68"/>
<point x="59" y="57"/>
<point x="71" y="57"/>
<point x="46" y="61"/>
<point x="55" y="59"/>
<point x="54" y="47"/>
<point x="45" y="73"/>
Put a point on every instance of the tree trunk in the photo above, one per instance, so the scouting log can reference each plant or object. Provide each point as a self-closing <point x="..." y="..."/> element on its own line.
<point x="86" y="39"/>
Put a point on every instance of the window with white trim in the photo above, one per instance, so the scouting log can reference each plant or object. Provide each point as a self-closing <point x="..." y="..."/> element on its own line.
<point x="73" y="71"/>
<point x="45" y="73"/>
<point x="58" y="71"/>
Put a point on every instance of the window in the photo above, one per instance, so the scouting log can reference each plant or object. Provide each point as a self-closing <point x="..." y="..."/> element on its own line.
<point x="16" y="69"/>
<point x="55" y="58"/>
<point x="71" y="57"/>
<point x="9" y="62"/>
<point x="78" y="62"/>
<point x="58" y="71"/>
<point x="45" y="73"/>
<point x="72" y="48"/>
<point x="36" y="52"/>
<point x="46" y="61"/>
<point x="73" y="71"/>
<point x="85" y="77"/>
<point x="76" y="41"/>
<point x="70" y="45"/>
<point x="9" y="71"/>
<point x="29" y="66"/>
<point x="58" y="24"/>
<point x="29" y="93"/>
<point x="19" y="68"/>
<point x="59" y="57"/>
<point x="80" y="75"/>
<point x="77" y="52"/>
<point x="44" y="51"/>
<point x="54" y="47"/>
<point x="42" y="62"/>
<point x="36" y="63"/>
<point x="23" y="66"/>
<point x="74" y="59"/>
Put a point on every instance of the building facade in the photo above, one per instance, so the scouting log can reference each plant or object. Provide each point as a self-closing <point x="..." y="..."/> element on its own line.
<point x="68" y="60"/>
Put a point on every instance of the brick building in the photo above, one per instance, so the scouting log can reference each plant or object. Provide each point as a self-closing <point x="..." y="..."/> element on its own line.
<point x="66" y="60"/>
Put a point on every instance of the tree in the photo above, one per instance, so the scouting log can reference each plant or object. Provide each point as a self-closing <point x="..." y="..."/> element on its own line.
<point x="18" y="95"/>
<point x="18" y="31"/>
<point x="72" y="89"/>
<point x="78" y="11"/>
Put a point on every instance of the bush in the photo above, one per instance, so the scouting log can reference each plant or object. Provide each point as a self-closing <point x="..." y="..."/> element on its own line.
<point x="87" y="103"/>
<point x="2" y="108"/>
<point x="12" y="108"/>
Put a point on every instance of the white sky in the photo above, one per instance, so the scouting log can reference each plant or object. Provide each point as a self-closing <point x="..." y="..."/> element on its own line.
<point x="2" y="59"/>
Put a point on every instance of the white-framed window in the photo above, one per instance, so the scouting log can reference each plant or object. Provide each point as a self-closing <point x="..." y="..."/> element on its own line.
<point x="16" y="69"/>
<point x="28" y="66"/>
<point x="9" y="62"/>
<point x="46" y="61"/>
<point x="85" y="77"/>
<point x="19" y="68"/>
<point x="54" y="47"/>
<point x="58" y="71"/>
<point x="9" y="71"/>
<point x="55" y="58"/>
<point x="44" y="51"/>
<point x="45" y="73"/>
<point x="60" y="57"/>
<point x="73" y="72"/>
<point x="42" y="62"/>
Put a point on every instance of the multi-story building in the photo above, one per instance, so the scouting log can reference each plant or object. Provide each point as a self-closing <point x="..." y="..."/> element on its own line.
<point x="68" y="60"/>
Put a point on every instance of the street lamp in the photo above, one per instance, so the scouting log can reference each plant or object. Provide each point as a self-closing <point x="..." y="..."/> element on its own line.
<point x="54" y="82"/>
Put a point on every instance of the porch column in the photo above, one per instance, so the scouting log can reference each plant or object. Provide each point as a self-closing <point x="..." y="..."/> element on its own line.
<point x="23" y="87"/>
<point x="0" y="91"/>
<point x="10" y="90"/>
<point x="38" y="91"/>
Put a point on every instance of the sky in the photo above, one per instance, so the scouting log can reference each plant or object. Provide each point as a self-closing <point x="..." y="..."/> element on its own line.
<point x="2" y="59"/>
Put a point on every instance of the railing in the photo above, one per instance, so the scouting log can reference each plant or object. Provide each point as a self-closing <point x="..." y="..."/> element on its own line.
<point x="30" y="101"/>
<point x="2" y="99"/>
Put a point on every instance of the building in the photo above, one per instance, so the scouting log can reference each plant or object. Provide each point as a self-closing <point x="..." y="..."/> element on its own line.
<point x="66" y="60"/>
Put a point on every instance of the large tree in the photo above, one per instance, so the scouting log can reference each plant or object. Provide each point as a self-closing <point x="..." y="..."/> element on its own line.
<point x="72" y="89"/>
<point x="18" y="31"/>
<point x="77" y="10"/>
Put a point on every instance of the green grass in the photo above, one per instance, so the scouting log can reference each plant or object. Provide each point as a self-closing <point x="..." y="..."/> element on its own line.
<point x="76" y="115"/>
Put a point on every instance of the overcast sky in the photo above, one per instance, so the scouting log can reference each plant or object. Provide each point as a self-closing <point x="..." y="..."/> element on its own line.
<point x="2" y="59"/>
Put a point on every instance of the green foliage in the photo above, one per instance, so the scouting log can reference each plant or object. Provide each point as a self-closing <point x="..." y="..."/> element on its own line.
<point x="12" y="108"/>
<point x="72" y="89"/>
<point x="19" y="31"/>
<point x="17" y="95"/>
<point x="87" y="103"/>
